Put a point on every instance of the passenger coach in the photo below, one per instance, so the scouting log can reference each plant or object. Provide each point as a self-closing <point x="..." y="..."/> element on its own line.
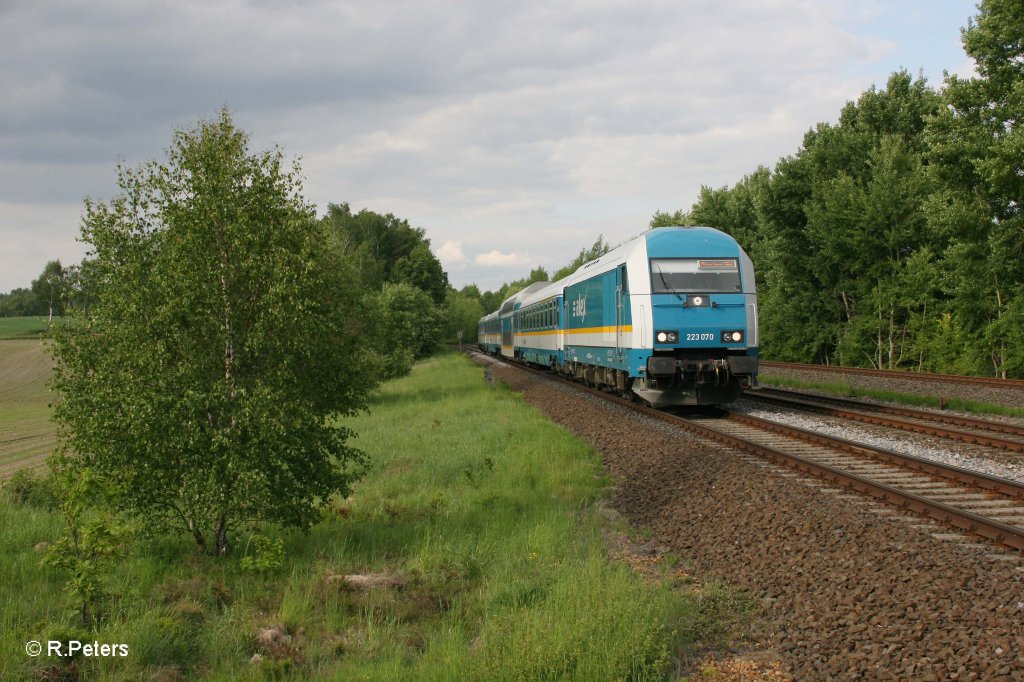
<point x="670" y="316"/>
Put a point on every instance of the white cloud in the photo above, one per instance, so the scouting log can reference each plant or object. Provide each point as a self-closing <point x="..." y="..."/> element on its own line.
<point x="450" y="254"/>
<point x="964" y="70"/>
<point x="496" y="258"/>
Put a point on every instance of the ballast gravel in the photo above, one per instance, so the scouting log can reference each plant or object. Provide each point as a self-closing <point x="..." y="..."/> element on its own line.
<point x="983" y="460"/>
<point x="851" y="594"/>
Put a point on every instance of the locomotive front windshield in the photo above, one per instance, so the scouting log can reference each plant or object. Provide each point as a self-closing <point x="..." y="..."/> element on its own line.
<point x="695" y="275"/>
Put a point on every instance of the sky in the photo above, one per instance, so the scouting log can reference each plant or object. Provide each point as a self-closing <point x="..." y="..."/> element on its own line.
<point x="514" y="133"/>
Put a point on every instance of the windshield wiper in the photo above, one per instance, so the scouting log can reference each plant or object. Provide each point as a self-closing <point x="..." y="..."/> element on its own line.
<point x="664" y="283"/>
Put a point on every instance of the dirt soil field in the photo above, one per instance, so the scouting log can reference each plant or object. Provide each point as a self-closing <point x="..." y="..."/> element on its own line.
<point x="26" y="434"/>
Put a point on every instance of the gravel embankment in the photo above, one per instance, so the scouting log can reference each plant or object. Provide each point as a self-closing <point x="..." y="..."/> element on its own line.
<point x="852" y="594"/>
<point x="1008" y="397"/>
<point x="979" y="458"/>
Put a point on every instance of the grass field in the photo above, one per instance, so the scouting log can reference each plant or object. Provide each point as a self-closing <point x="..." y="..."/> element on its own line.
<point x="477" y="514"/>
<point x="26" y="434"/>
<point x="23" y="327"/>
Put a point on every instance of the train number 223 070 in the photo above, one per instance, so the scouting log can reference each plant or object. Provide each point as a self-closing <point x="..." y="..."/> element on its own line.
<point x="700" y="337"/>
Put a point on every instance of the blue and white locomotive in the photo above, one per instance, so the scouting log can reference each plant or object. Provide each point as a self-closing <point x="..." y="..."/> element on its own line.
<point x="670" y="316"/>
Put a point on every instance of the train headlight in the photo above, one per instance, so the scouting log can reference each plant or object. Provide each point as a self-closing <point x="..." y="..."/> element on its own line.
<point x="667" y="337"/>
<point x="732" y="336"/>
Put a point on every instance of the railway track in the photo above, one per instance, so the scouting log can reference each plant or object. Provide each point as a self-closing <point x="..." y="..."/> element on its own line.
<point x="901" y="374"/>
<point x="972" y="502"/>
<point x="965" y="429"/>
<point x="984" y="505"/>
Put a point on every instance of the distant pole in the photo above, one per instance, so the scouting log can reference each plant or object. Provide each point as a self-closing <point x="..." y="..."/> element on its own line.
<point x="459" y="334"/>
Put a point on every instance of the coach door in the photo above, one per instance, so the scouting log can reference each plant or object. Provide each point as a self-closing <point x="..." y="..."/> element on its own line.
<point x="621" y="301"/>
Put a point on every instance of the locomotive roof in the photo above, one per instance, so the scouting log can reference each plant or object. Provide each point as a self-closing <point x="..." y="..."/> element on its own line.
<point x="541" y="293"/>
<point x="662" y="242"/>
<point x="509" y="303"/>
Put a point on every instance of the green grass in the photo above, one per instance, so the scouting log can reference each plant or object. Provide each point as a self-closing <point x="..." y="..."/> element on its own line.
<point x="481" y="508"/>
<point x="850" y="391"/>
<point x="24" y="327"/>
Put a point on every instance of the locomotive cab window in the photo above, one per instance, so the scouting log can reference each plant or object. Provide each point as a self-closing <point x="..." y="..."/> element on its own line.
<point x="704" y="275"/>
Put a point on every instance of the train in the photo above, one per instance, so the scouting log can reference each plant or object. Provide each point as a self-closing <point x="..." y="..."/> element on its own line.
<point x="669" y="317"/>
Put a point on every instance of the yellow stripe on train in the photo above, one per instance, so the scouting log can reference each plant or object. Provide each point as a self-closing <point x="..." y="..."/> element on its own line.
<point x="582" y="330"/>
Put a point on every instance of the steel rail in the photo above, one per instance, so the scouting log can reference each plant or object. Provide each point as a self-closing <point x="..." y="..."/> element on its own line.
<point x="900" y="373"/>
<point x="943" y="417"/>
<point x="997" y="531"/>
<point x="965" y="520"/>
<point x="977" y="479"/>
<point x="893" y="422"/>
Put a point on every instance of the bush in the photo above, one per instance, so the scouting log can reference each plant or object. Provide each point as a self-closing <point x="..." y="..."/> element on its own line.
<point x="29" y="489"/>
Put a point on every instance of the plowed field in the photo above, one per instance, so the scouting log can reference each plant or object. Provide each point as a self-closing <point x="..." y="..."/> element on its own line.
<point x="26" y="434"/>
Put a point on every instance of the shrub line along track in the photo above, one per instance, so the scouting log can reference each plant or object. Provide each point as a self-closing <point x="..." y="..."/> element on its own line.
<point x="978" y="497"/>
<point x="981" y="430"/>
<point x="900" y="374"/>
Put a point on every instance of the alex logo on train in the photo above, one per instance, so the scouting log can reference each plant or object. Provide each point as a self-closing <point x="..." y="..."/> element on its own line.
<point x="579" y="307"/>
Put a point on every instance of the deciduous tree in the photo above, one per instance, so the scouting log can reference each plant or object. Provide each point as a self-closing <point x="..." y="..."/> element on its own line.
<point x="50" y="289"/>
<point x="205" y="381"/>
<point x="977" y="154"/>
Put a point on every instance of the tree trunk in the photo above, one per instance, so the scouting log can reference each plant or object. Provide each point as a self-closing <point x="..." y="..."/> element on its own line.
<point x="223" y="546"/>
<point x="892" y="334"/>
<point x="197" y="535"/>
<point x="999" y="352"/>
<point x="878" y="338"/>
<point x="847" y="306"/>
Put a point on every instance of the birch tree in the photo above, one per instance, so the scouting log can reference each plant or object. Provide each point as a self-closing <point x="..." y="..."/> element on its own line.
<point x="205" y="380"/>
